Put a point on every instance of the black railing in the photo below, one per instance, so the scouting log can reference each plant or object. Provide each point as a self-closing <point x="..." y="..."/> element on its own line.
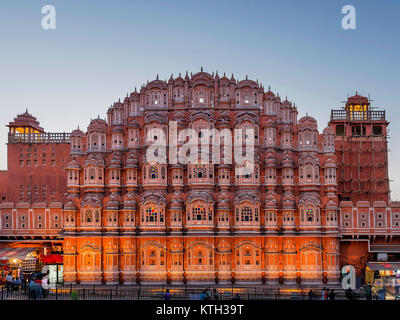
<point x="118" y="292"/>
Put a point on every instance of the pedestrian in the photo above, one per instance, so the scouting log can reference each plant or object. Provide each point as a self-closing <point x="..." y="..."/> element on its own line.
<point x="382" y="293"/>
<point x="38" y="288"/>
<point x="323" y="293"/>
<point x="17" y="284"/>
<point x="45" y="286"/>
<point x="9" y="281"/>
<point x="331" y="295"/>
<point x="32" y="289"/>
<point x="208" y="296"/>
<point x="236" y="297"/>
<point x="215" y="294"/>
<point x="167" y="295"/>
<point x="22" y="278"/>
<point x="203" y="295"/>
<point x="310" y="294"/>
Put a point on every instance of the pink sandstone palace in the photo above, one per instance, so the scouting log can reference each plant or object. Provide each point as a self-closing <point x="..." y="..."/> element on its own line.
<point x="313" y="203"/>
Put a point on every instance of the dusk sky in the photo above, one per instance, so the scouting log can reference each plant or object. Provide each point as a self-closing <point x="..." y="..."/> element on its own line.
<point x="101" y="50"/>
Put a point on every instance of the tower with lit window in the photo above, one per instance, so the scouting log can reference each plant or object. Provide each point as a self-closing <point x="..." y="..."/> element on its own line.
<point x="361" y="150"/>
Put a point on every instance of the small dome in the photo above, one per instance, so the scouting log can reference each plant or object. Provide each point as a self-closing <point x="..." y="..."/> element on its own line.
<point x="77" y="133"/>
<point x="73" y="164"/>
<point x="308" y="122"/>
<point x="132" y="160"/>
<point x="97" y="125"/>
<point x="328" y="131"/>
<point x="70" y="206"/>
<point x="115" y="162"/>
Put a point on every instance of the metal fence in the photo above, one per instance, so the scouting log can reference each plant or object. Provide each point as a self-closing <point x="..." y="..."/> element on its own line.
<point x="118" y="292"/>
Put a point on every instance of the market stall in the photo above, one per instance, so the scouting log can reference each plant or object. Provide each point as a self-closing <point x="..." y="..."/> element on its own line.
<point x="383" y="276"/>
<point x="17" y="260"/>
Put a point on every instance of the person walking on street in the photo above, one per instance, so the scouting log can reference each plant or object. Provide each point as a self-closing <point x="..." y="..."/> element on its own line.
<point x="167" y="295"/>
<point x="382" y="293"/>
<point x="45" y="286"/>
<point x="310" y="294"/>
<point x="208" y="296"/>
<point x="331" y="295"/>
<point x="32" y="289"/>
<point x="38" y="288"/>
<point x="17" y="284"/>
<point x="203" y="295"/>
<point x="323" y="294"/>
<point x="368" y="292"/>
<point x="236" y="297"/>
<point x="215" y="294"/>
<point x="9" y="282"/>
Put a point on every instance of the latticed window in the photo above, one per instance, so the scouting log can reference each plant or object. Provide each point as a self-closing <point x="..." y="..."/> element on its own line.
<point x="199" y="212"/>
<point x="88" y="216"/>
<point x="153" y="172"/>
<point x="151" y="214"/>
<point x="200" y="171"/>
<point x="246" y="214"/>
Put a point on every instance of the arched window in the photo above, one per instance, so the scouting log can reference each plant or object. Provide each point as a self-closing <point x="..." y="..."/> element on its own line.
<point x="154" y="174"/>
<point x="153" y="214"/>
<point x="91" y="217"/>
<point x="201" y="257"/>
<point x="270" y="176"/>
<point x="88" y="216"/>
<point x="247" y="214"/>
<point x="310" y="215"/>
<point x="247" y="256"/>
<point x="133" y="137"/>
<point x="199" y="213"/>
<point x="248" y="177"/>
<point x="201" y="173"/>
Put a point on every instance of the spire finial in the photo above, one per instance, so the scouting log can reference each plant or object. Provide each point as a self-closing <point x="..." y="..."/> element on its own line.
<point x="201" y="69"/>
<point x="269" y="88"/>
<point x="247" y="77"/>
<point x="157" y="77"/>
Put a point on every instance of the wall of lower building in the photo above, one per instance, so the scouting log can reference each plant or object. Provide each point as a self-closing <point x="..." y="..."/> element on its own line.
<point x="3" y="185"/>
<point x="36" y="172"/>
<point x="354" y="253"/>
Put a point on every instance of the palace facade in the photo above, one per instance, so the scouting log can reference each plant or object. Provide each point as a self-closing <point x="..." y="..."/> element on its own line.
<point x="123" y="218"/>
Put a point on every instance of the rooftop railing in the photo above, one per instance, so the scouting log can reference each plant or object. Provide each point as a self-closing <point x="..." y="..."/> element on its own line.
<point x="357" y="115"/>
<point x="39" y="137"/>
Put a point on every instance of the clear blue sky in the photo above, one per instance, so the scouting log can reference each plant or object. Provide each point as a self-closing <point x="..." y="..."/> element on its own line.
<point x="103" y="49"/>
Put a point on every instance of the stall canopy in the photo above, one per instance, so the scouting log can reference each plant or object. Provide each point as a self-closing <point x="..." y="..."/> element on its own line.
<point x="385" y="248"/>
<point x="17" y="253"/>
<point x="389" y="266"/>
<point x="52" y="259"/>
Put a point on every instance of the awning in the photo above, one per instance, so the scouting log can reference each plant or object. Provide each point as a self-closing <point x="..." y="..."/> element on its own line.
<point x="52" y="259"/>
<point x="17" y="253"/>
<point x="388" y="266"/>
<point x="384" y="248"/>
